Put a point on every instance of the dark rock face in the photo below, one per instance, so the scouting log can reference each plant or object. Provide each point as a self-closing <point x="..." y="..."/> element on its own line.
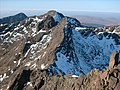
<point x="21" y="80"/>
<point x="13" y="19"/>
<point x="44" y="53"/>
<point x="46" y="24"/>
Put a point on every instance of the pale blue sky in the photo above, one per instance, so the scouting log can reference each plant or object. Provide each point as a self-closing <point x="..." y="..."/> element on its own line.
<point x="67" y="5"/>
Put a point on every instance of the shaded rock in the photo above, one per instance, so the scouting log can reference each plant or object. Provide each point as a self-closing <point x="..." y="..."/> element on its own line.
<point x="113" y="60"/>
<point x="112" y="82"/>
<point x="46" y="24"/>
<point x="21" y="80"/>
<point x="117" y="86"/>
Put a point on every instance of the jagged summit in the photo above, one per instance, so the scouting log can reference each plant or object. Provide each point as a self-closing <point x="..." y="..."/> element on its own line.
<point x="52" y="44"/>
<point x="52" y="12"/>
<point x="56" y="15"/>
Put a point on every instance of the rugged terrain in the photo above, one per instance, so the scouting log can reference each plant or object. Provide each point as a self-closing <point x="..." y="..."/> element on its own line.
<point x="55" y="52"/>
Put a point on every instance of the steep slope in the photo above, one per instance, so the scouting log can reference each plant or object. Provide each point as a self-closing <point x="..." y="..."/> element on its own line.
<point x="83" y="49"/>
<point x="35" y="49"/>
<point x="29" y="44"/>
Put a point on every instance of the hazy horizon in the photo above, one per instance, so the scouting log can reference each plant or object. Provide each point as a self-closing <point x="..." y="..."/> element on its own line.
<point x="12" y="7"/>
<point x="66" y="13"/>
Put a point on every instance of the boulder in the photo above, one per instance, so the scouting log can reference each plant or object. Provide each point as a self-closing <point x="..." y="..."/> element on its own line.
<point x="113" y="60"/>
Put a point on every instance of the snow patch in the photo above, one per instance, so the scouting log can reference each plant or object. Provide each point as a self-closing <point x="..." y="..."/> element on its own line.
<point x="25" y="30"/>
<point x="33" y="66"/>
<point x="19" y="62"/>
<point x="46" y="39"/>
<point x="11" y="71"/>
<point x="29" y="83"/>
<point x="1" y="24"/>
<point x="14" y="61"/>
<point x="37" y="19"/>
<point x="44" y="54"/>
<point x="27" y="53"/>
<point x="8" y="87"/>
<point x="44" y="66"/>
<point x="16" y="28"/>
<point x="28" y="64"/>
<point x="75" y="76"/>
<point x="80" y="28"/>
<point x="42" y="30"/>
<point x="2" y="77"/>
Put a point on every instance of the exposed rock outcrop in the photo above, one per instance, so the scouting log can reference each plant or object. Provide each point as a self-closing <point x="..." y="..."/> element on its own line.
<point x="113" y="60"/>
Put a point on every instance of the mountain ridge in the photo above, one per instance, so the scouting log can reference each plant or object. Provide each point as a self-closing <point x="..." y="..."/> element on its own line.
<point x="43" y="47"/>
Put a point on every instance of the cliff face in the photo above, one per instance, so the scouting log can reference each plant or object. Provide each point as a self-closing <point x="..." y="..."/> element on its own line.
<point x="54" y="52"/>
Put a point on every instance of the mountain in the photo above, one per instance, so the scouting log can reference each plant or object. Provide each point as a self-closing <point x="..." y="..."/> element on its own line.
<point x="52" y="50"/>
<point x="12" y="19"/>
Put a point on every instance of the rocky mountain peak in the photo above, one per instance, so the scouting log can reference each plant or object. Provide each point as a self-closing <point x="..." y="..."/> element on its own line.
<point x="51" y="12"/>
<point x="12" y="19"/>
<point x="56" y="15"/>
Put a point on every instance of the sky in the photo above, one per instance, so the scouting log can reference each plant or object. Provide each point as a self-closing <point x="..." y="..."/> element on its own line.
<point x="67" y="5"/>
<point x="9" y="6"/>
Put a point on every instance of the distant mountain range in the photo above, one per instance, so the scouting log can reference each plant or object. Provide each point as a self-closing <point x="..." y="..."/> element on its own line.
<point x="97" y="21"/>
